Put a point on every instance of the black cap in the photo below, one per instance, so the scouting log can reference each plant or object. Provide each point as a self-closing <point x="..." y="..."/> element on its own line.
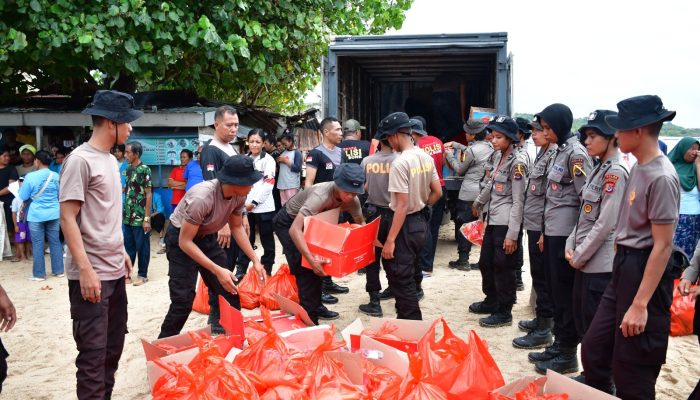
<point x="523" y="126"/>
<point x="505" y="125"/>
<point x="535" y="126"/>
<point x="596" y="120"/>
<point x="391" y="124"/>
<point x="474" y="127"/>
<point x="238" y="170"/>
<point x="417" y="127"/>
<point x="113" y="105"/>
<point x="639" y="111"/>
<point x="350" y="177"/>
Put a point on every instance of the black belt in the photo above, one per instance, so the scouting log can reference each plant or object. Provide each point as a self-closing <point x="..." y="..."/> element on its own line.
<point x="424" y="212"/>
<point x="176" y="231"/>
<point x="631" y="251"/>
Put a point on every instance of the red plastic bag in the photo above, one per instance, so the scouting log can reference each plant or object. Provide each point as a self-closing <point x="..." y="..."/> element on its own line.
<point x="207" y="376"/>
<point x="382" y="383"/>
<point x="474" y="232"/>
<point x="682" y="312"/>
<point x="442" y="358"/>
<point x="270" y="357"/>
<point x="384" y="332"/>
<point x="284" y="391"/>
<point x="201" y="298"/>
<point x="340" y="390"/>
<point x="478" y="374"/>
<point x="249" y="290"/>
<point x="530" y="393"/>
<point x="282" y="283"/>
<point x="321" y="369"/>
<point x="415" y="387"/>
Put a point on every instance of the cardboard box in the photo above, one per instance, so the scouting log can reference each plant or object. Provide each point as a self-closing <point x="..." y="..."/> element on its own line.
<point x="554" y="383"/>
<point x="306" y="339"/>
<point x="345" y="249"/>
<point x="384" y="355"/>
<point x="409" y="332"/>
<point x="482" y="114"/>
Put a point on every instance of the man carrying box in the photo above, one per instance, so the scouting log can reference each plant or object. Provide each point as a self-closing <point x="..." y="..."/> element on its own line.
<point x="191" y="241"/>
<point x="348" y="182"/>
<point x="414" y="185"/>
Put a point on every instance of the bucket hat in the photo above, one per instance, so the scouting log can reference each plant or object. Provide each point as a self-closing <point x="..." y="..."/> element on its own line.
<point x="391" y="124"/>
<point x="238" y="170"/>
<point x="524" y="127"/>
<point x="474" y="127"/>
<point x="639" y="111"/>
<point x="505" y="125"/>
<point x="113" y="105"/>
<point x="350" y="178"/>
<point x="417" y="127"/>
<point x="596" y="120"/>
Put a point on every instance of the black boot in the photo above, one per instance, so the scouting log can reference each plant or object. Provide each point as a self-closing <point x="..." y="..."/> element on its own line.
<point x="565" y="362"/>
<point x="419" y="293"/>
<point x="362" y="271"/>
<point x="214" y="316"/>
<point x="460" y="263"/>
<point x="502" y="317"/>
<point x="540" y="337"/>
<point x="328" y="286"/>
<point x="386" y="294"/>
<point x="324" y="313"/>
<point x="483" y="307"/>
<point x="519" y="286"/>
<point x="328" y="298"/>
<point x="549" y="353"/>
<point x="528" y="325"/>
<point x="373" y="308"/>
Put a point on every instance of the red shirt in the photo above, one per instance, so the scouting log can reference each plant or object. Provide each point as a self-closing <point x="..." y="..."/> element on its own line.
<point x="433" y="146"/>
<point x="178" y="175"/>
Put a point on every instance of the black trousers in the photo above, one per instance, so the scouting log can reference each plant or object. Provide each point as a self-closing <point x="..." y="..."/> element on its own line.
<point x="158" y="222"/>
<point x="372" y="212"/>
<point x="263" y="221"/>
<point x="463" y="215"/>
<point x="403" y="270"/>
<point x="428" y="254"/>
<point x="633" y="362"/>
<point x="308" y="283"/>
<point x="497" y="268"/>
<point x="182" y="271"/>
<point x="3" y="364"/>
<point x="588" y="290"/>
<point x="98" y="330"/>
<point x="543" y="305"/>
<point x="560" y="282"/>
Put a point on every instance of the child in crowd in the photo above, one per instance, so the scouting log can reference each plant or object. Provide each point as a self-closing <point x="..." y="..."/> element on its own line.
<point x="22" y="235"/>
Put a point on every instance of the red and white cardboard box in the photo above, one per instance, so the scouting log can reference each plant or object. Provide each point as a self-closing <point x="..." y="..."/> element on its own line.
<point x="409" y="332"/>
<point x="345" y="249"/>
<point x="554" y="383"/>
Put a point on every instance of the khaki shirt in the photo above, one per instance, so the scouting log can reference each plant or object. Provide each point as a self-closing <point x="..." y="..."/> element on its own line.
<point x="593" y="238"/>
<point x="472" y="168"/>
<point x="505" y="194"/>
<point x="319" y="198"/>
<point x="205" y="205"/>
<point x="411" y="173"/>
<point x="565" y="181"/>
<point x="537" y="188"/>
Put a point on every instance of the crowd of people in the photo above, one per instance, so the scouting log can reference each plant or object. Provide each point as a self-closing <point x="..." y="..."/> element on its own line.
<point x="600" y="236"/>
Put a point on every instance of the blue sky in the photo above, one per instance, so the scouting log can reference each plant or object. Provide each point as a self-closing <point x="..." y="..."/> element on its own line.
<point x="586" y="54"/>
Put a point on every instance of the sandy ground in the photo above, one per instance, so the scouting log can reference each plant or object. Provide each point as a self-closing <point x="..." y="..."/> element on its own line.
<point x="42" y="350"/>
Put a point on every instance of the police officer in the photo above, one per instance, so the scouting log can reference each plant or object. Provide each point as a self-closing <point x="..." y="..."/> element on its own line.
<point x="524" y="133"/>
<point x="628" y="336"/>
<point x="377" y="167"/>
<point x="340" y="193"/>
<point x="191" y="241"/>
<point x="565" y="179"/>
<point x="505" y="195"/>
<point x="413" y="184"/>
<point x="472" y="169"/>
<point x="539" y="329"/>
<point x="589" y="248"/>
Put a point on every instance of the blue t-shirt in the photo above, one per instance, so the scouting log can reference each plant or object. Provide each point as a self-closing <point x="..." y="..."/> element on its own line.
<point x="55" y="167"/>
<point x="690" y="202"/>
<point x="122" y="172"/>
<point x="193" y="174"/>
<point x="45" y="207"/>
<point x="157" y="204"/>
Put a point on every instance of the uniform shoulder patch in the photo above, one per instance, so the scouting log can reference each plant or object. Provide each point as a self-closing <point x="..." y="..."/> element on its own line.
<point x="577" y="166"/>
<point x="519" y="172"/>
<point x="610" y="182"/>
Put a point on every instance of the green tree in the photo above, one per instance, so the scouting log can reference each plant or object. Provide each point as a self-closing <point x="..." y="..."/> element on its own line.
<point x="252" y="51"/>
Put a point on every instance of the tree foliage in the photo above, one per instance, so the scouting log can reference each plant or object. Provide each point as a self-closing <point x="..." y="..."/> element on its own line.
<point x="252" y="51"/>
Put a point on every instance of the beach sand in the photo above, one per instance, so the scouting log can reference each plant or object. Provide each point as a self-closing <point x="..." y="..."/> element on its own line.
<point x="42" y="350"/>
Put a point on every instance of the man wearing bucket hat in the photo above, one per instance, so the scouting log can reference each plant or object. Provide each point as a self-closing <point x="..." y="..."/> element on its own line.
<point x="628" y="337"/>
<point x="504" y="196"/>
<point x="191" y="241"/>
<point x="413" y="186"/>
<point x="589" y="248"/>
<point x="342" y="192"/>
<point x="96" y="262"/>
<point x="565" y="180"/>
<point x="472" y="168"/>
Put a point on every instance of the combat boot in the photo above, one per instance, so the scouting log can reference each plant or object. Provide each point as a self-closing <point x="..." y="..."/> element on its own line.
<point x="460" y="263"/>
<point x="374" y="307"/>
<point x="502" y="317"/>
<point x="528" y="325"/>
<point x="549" y="353"/>
<point x="540" y="337"/>
<point x="565" y="362"/>
<point x="483" y="307"/>
<point x="386" y="294"/>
